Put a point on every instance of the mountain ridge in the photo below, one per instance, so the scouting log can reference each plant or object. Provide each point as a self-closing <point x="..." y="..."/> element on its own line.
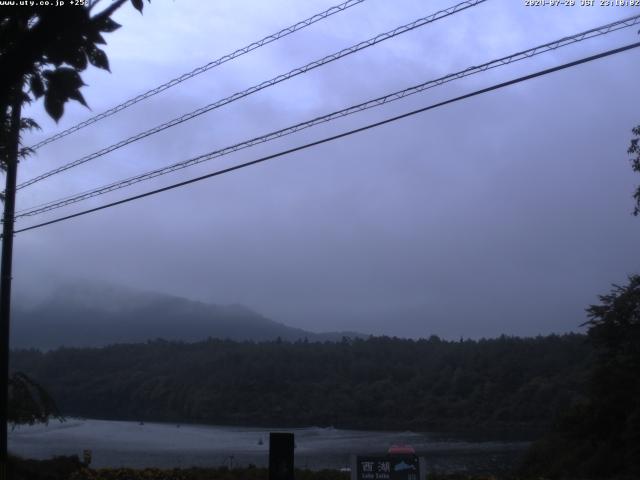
<point x="91" y="315"/>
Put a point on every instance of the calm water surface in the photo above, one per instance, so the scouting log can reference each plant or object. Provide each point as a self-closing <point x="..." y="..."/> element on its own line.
<point x="116" y="444"/>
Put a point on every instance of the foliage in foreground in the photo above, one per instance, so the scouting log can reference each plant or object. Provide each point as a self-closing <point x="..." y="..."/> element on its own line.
<point x="221" y="473"/>
<point x="70" y="468"/>
<point x="601" y="437"/>
<point x="29" y="403"/>
<point x="44" y="50"/>
<point x="634" y="149"/>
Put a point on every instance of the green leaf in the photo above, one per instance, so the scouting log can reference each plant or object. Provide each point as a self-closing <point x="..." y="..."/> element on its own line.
<point x="56" y="53"/>
<point x="77" y="96"/>
<point x="54" y="105"/>
<point x="98" y="58"/>
<point x="77" y="59"/>
<point x="64" y="78"/>
<point x="108" y="25"/>
<point x="27" y="123"/>
<point x="36" y="85"/>
<point x="94" y="36"/>
<point x="63" y="84"/>
<point x="137" y="4"/>
<point x="25" y="152"/>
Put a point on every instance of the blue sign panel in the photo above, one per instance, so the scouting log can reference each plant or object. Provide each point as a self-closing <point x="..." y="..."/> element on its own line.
<point x="388" y="467"/>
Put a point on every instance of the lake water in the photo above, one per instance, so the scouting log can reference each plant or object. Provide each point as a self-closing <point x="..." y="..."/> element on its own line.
<point x="129" y="444"/>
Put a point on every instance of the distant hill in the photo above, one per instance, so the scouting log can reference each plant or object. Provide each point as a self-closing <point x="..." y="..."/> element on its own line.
<point x="98" y="315"/>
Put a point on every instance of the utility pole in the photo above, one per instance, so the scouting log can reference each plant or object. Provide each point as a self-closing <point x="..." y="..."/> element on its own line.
<point x="11" y="150"/>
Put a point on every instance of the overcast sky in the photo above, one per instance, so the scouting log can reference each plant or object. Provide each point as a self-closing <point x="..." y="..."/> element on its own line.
<point x="506" y="213"/>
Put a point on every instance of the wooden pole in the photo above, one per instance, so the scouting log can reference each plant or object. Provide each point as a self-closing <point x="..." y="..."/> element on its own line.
<point x="12" y="147"/>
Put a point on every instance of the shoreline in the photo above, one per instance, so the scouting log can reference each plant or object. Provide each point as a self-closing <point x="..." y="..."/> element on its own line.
<point x="498" y="431"/>
<point x="160" y="445"/>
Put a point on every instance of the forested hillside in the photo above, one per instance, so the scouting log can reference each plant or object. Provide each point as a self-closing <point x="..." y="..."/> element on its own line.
<point x="95" y="315"/>
<point x="376" y="383"/>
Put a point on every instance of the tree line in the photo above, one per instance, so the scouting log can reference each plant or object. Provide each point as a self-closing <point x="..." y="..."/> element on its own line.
<point x="380" y="382"/>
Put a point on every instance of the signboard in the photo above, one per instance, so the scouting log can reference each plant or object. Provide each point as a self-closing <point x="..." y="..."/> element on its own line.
<point x="387" y="467"/>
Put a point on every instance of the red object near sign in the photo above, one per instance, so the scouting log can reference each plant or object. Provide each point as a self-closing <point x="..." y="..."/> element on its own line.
<point x="401" y="450"/>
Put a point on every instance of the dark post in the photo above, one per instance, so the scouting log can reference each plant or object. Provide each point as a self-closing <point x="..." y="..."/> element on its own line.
<point x="281" y="456"/>
<point x="12" y="146"/>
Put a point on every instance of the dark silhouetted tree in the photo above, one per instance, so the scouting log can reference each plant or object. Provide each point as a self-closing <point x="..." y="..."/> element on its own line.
<point x="600" y="438"/>
<point x="43" y="51"/>
<point x="29" y="402"/>
<point x="614" y="330"/>
<point x="634" y="149"/>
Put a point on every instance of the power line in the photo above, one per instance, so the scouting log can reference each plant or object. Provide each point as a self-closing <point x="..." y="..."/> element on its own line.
<point x="598" y="31"/>
<point x="197" y="71"/>
<point x="338" y="136"/>
<point x="268" y="83"/>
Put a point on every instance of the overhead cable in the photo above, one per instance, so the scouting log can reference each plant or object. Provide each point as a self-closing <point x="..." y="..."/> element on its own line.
<point x="256" y="88"/>
<point x="197" y="71"/>
<point x="62" y="202"/>
<point x="338" y="136"/>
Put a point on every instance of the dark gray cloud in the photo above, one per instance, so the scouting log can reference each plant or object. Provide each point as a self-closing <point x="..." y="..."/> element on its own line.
<point x="506" y="213"/>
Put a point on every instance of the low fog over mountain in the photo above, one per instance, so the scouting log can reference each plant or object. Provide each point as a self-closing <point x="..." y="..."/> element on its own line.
<point x="94" y="315"/>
